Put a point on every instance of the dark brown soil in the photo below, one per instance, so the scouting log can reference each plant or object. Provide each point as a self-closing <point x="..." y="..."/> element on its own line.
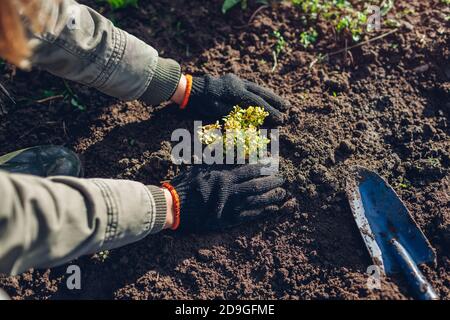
<point x="384" y="105"/>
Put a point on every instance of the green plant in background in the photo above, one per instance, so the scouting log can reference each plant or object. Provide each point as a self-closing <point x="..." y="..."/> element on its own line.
<point x="120" y="4"/>
<point x="386" y="6"/>
<point x="353" y="24"/>
<point x="240" y="129"/>
<point x="278" y="48"/>
<point x="403" y="183"/>
<point x="308" y="37"/>
<point x="311" y="7"/>
<point x="434" y="162"/>
<point x="73" y="98"/>
<point x="344" y="16"/>
<point x="229" y="4"/>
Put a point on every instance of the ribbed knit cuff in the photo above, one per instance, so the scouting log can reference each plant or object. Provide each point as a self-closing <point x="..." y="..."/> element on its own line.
<point x="198" y="86"/>
<point x="164" y="82"/>
<point x="160" y="209"/>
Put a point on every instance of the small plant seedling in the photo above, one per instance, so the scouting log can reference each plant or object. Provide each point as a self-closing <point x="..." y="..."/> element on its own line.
<point x="403" y="183"/>
<point x="394" y="45"/>
<point x="392" y="23"/>
<point x="386" y="7"/>
<point x="73" y="98"/>
<point x="120" y="4"/>
<point x="346" y="17"/>
<point x="75" y="102"/>
<point x="48" y="93"/>
<point x="434" y="162"/>
<point x="240" y="129"/>
<point x="311" y="7"/>
<point x="279" y="47"/>
<point x="308" y="38"/>
<point x="352" y="24"/>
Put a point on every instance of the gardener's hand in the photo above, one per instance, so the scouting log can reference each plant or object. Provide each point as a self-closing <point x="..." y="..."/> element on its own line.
<point x="213" y="198"/>
<point x="214" y="97"/>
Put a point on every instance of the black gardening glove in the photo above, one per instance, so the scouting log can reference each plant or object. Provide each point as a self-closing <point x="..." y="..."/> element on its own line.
<point x="215" y="97"/>
<point x="213" y="198"/>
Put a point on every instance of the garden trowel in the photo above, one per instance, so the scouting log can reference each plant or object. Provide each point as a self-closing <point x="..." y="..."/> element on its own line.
<point x="392" y="237"/>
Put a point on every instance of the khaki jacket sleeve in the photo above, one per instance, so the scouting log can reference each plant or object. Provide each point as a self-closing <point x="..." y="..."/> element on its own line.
<point x="47" y="222"/>
<point x="81" y="45"/>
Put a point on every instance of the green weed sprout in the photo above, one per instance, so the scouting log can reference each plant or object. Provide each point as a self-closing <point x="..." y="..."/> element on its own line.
<point x="120" y="4"/>
<point x="403" y="183"/>
<point x="346" y="17"/>
<point x="240" y="129"/>
<point x="308" y="38"/>
<point x="278" y="48"/>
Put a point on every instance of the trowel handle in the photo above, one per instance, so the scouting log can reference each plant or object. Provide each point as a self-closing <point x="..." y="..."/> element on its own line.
<point x="417" y="281"/>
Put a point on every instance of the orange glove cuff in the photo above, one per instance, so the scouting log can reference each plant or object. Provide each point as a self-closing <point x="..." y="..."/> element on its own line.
<point x="176" y="204"/>
<point x="187" y="93"/>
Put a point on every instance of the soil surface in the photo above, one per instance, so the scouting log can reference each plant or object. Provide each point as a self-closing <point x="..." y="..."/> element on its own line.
<point x="384" y="105"/>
